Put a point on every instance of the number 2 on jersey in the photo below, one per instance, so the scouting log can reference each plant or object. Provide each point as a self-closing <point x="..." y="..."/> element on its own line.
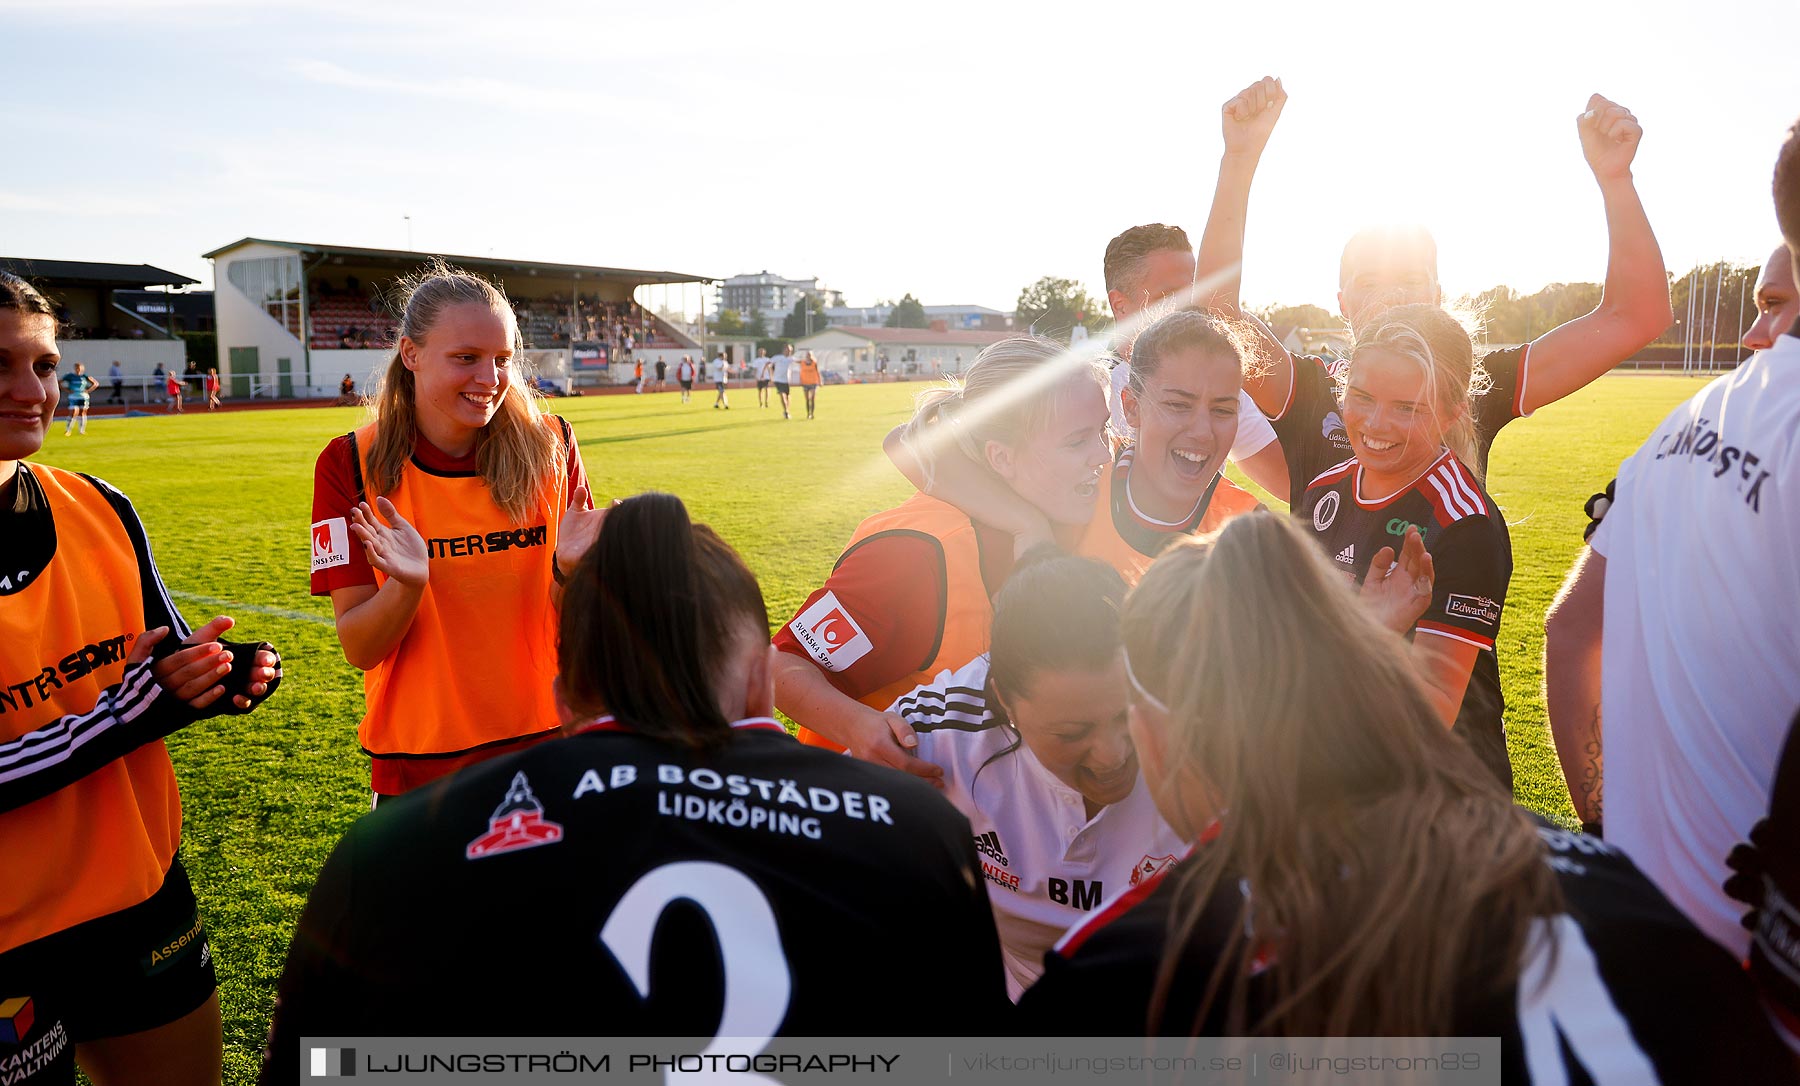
<point x="757" y="983"/>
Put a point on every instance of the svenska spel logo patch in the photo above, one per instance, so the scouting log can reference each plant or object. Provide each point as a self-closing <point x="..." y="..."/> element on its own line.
<point x="830" y="635"/>
<point x="330" y="543"/>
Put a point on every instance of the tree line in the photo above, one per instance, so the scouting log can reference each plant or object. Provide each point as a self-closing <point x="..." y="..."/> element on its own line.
<point x="1712" y="302"/>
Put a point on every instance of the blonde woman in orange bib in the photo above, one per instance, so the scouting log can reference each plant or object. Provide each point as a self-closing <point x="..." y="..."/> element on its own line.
<point x="445" y="588"/>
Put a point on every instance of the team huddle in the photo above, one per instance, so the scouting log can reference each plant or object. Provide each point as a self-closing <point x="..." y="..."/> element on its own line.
<point x="1090" y="742"/>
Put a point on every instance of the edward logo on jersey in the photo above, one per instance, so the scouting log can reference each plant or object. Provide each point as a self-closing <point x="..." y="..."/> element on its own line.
<point x="518" y="823"/>
<point x="830" y="635"/>
<point x="330" y="543"/>
<point x="1479" y="608"/>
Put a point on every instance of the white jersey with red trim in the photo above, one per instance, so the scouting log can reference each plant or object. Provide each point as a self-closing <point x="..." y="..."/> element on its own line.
<point x="1471" y="553"/>
<point x="1047" y="864"/>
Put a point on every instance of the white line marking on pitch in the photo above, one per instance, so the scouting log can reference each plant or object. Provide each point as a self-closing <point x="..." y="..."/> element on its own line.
<point x="228" y="606"/>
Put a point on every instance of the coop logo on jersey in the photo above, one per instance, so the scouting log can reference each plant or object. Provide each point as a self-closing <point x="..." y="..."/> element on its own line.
<point x="517" y="823"/>
<point x="1479" y="608"/>
<point x="331" y="543"/>
<point x="830" y="634"/>
<point x="1148" y="867"/>
<point x="1326" y="511"/>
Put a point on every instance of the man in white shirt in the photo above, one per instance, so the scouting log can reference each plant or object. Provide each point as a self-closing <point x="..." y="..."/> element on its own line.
<point x="784" y="375"/>
<point x="716" y="371"/>
<point x="1700" y="642"/>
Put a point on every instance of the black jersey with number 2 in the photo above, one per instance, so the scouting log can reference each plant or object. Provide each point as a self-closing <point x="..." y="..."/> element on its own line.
<point x="1470" y="550"/>
<point x="1631" y="992"/>
<point x="607" y="884"/>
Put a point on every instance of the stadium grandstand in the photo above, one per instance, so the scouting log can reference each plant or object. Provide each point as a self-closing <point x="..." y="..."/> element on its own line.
<point x="100" y="317"/>
<point x="294" y="318"/>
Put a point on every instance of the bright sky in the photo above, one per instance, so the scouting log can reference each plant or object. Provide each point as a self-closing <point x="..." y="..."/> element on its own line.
<point x="954" y="150"/>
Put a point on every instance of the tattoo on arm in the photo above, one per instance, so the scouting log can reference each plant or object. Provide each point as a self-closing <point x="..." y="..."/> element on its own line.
<point x="1592" y="779"/>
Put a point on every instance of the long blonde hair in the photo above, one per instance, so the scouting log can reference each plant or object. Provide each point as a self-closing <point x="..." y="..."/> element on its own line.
<point x="1441" y="346"/>
<point x="1008" y="394"/>
<point x="1391" y="876"/>
<point x="515" y="453"/>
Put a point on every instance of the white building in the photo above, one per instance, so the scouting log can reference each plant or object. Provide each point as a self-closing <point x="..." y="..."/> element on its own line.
<point x="910" y="352"/>
<point x="294" y="318"/>
<point x="772" y="296"/>
<point x="950" y="317"/>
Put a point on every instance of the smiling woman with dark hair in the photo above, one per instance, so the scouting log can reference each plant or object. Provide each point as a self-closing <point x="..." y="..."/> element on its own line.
<point x="1031" y="738"/>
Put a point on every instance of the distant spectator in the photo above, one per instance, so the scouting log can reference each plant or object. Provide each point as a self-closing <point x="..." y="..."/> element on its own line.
<point x="719" y="370"/>
<point x="212" y="388"/>
<point x="662" y="369"/>
<point x="157" y="375"/>
<point x="346" y="392"/>
<point x="117" y="377"/>
<point x="765" y="372"/>
<point x="172" y="387"/>
<point x="77" y="385"/>
<point x="809" y="381"/>
<point x="684" y="376"/>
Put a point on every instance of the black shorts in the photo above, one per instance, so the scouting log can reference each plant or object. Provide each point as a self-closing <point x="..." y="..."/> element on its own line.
<point x="687" y="386"/>
<point x="126" y="972"/>
<point x="762" y="385"/>
<point x="781" y="388"/>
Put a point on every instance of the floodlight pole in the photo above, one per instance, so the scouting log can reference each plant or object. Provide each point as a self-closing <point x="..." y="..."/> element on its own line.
<point x="1712" y="356"/>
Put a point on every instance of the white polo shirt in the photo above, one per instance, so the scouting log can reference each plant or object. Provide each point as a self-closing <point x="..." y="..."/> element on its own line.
<point x="1254" y="434"/>
<point x="784" y="367"/>
<point x="1047" y="864"/>
<point x="1701" y="643"/>
<point x="716" y="371"/>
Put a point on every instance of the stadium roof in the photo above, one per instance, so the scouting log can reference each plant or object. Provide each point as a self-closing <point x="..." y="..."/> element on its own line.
<point x="409" y="258"/>
<point x="920" y="337"/>
<point x="83" y="273"/>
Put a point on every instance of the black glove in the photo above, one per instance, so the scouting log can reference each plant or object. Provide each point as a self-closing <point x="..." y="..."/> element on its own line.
<point x="1596" y="508"/>
<point x="238" y="680"/>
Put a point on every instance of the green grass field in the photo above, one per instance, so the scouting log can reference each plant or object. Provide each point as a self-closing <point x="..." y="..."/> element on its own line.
<point x="227" y="500"/>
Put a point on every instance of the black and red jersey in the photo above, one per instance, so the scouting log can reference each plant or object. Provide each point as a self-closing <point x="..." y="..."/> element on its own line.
<point x="607" y="884"/>
<point x="1311" y="424"/>
<point x="1472" y="557"/>
<point x="1632" y="991"/>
